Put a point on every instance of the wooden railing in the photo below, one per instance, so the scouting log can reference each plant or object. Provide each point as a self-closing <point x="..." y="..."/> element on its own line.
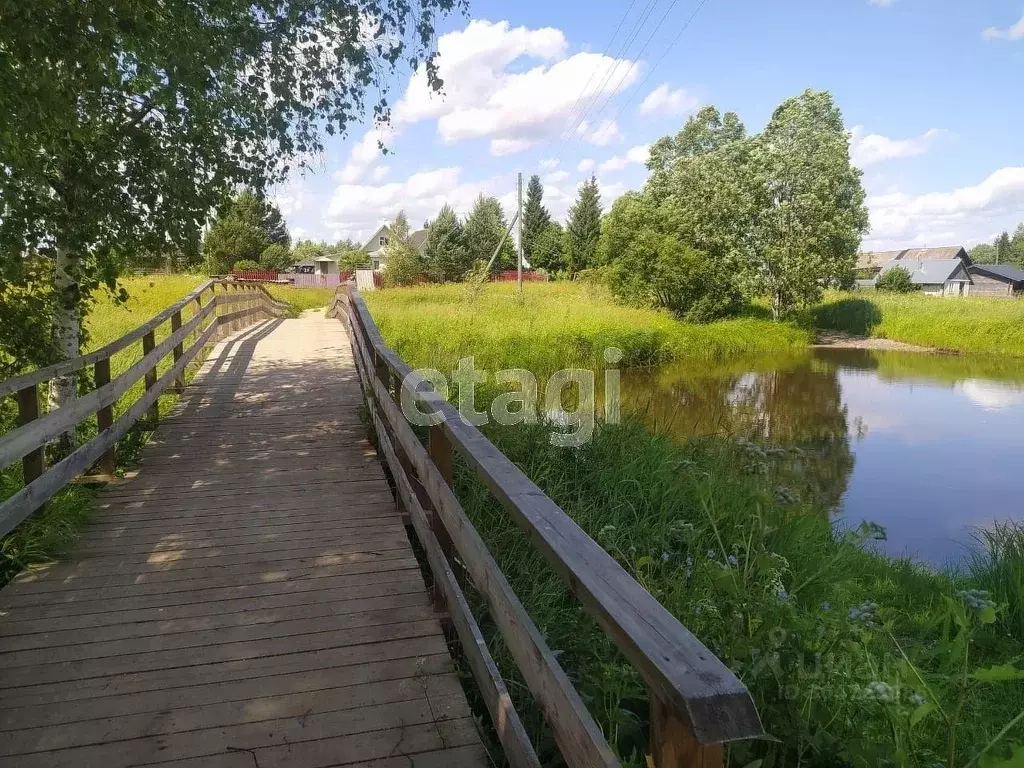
<point x="227" y="306"/>
<point x="696" y="703"/>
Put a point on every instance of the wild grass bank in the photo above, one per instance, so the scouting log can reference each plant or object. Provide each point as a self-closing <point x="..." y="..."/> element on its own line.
<point x="968" y="325"/>
<point x="556" y="325"/>
<point x="56" y="527"/>
<point x="853" y="658"/>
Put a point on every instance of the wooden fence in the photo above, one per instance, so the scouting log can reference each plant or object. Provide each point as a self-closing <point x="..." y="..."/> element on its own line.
<point x="228" y="307"/>
<point x="696" y="703"/>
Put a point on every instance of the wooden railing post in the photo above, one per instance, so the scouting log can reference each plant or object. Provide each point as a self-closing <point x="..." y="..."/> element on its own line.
<point x="673" y="744"/>
<point x="179" y="350"/>
<point x="104" y="417"/>
<point x="148" y="345"/>
<point x="34" y="462"/>
<point x="440" y="449"/>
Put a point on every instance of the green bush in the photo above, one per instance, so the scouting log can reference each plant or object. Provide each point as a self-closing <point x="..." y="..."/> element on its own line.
<point x="661" y="272"/>
<point x="243" y="264"/>
<point x="895" y="280"/>
<point x="276" y="257"/>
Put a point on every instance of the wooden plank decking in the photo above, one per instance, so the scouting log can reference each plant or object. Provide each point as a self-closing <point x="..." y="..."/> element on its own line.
<point x="249" y="599"/>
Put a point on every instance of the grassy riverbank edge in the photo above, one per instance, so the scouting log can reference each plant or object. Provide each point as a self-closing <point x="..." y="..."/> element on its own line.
<point x="853" y="657"/>
<point x="976" y="326"/>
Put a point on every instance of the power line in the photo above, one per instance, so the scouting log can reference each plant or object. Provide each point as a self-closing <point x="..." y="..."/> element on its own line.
<point x="593" y="72"/>
<point x="614" y="65"/>
<point x="664" y="53"/>
<point x="612" y="92"/>
<point x="576" y="122"/>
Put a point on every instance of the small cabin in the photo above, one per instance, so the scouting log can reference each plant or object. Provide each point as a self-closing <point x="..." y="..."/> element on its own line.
<point x="996" y="280"/>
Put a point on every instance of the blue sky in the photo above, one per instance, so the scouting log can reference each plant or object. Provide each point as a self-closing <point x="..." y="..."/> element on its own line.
<point x="930" y="89"/>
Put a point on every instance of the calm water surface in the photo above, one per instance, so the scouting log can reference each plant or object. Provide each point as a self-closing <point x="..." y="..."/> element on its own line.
<point x="931" y="447"/>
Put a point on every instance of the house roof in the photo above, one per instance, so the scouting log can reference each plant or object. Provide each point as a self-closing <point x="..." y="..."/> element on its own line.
<point x="877" y="259"/>
<point x="418" y="238"/>
<point x="1007" y="272"/>
<point x="304" y="264"/>
<point x="372" y="244"/>
<point x="926" y="271"/>
<point x="325" y="258"/>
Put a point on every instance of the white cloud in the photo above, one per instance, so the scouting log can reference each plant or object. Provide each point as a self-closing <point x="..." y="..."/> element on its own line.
<point x="291" y="197"/>
<point x="366" y="153"/>
<point x="501" y="147"/>
<point x="548" y="164"/>
<point x="556" y="177"/>
<point x="585" y="165"/>
<point x="1016" y="32"/>
<point x="664" y="101"/>
<point x="380" y="173"/>
<point x="355" y="210"/>
<point x="613" y="164"/>
<point x="963" y="215"/>
<point x="868" y="149"/>
<point x="515" y="109"/>
<point x="637" y="154"/>
<point x="604" y="134"/>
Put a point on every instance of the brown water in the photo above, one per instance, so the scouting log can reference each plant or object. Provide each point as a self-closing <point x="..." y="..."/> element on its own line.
<point x="931" y="447"/>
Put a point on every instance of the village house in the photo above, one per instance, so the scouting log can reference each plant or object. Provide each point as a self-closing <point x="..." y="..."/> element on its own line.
<point x="376" y="246"/>
<point x="946" y="271"/>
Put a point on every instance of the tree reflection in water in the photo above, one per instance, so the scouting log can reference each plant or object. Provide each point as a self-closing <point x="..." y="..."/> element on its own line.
<point x="792" y="402"/>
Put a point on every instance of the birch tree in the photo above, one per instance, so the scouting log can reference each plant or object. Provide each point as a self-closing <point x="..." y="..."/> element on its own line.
<point x="125" y="123"/>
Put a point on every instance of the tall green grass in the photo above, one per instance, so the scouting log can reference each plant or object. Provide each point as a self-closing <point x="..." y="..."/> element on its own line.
<point x="970" y="325"/>
<point x="555" y="325"/>
<point x="853" y="658"/>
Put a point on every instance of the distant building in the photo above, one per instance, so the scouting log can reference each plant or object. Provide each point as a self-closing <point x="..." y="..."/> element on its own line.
<point x="935" y="277"/>
<point x="378" y="242"/>
<point x="870" y="263"/>
<point x="996" y="280"/>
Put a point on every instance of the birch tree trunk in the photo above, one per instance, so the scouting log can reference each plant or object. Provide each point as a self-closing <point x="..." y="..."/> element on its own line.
<point x="66" y="335"/>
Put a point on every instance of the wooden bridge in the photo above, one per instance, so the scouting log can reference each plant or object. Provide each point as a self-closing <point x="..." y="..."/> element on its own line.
<point x="251" y="597"/>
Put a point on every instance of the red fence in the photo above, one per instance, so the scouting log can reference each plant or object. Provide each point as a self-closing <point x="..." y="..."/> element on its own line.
<point x="262" y="275"/>
<point x="512" y="275"/>
<point x="299" y="280"/>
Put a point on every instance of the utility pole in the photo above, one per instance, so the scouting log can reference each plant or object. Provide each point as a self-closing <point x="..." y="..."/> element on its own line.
<point x="519" y="215"/>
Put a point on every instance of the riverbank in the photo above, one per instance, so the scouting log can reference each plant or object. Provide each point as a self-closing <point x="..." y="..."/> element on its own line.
<point x="842" y="340"/>
<point x="967" y="325"/>
<point x="852" y="657"/>
<point x="556" y="325"/>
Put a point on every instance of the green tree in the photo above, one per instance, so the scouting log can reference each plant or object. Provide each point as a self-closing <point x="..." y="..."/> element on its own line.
<point x="1017" y="246"/>
<point x="1003" y="249"/>
<point x="402" y="265"/>
<point x="308" y="250"/>
<point x="549" y="249"/>
<point x="445" y="255"/>
<point x="704" y="133"/>
<point x="536" y="218"/>
<point x="276" y="257"/>
<point x="810" y="212"/>
<point x="245" y="264"/>
<point x="630" y="215"/>
<point x="584" y="227"/>
<point x="352" y="258"/>
<point x="125" y="123"/>
<point x="983" y="253"/>
<point x="232" y="239"/>
<point x="274" y="225"/>
<point x="895" y="280"/>
<point x="484" y="229"/>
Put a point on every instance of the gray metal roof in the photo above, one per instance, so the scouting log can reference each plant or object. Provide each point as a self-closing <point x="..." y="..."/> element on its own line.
<point x="927" y="272"/>
<point x="1005" y="271"/>
<point x="876" y="259"/>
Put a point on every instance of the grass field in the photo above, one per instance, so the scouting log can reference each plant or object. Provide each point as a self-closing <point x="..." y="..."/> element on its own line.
<point x="969" y="325"/>
<point x="853" y="658"/>
<point x="47" y="533"/>
<point x="556" y="325"/>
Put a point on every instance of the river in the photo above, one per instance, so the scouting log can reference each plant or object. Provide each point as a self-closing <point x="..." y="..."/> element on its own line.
<point x="928" y="446"/>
